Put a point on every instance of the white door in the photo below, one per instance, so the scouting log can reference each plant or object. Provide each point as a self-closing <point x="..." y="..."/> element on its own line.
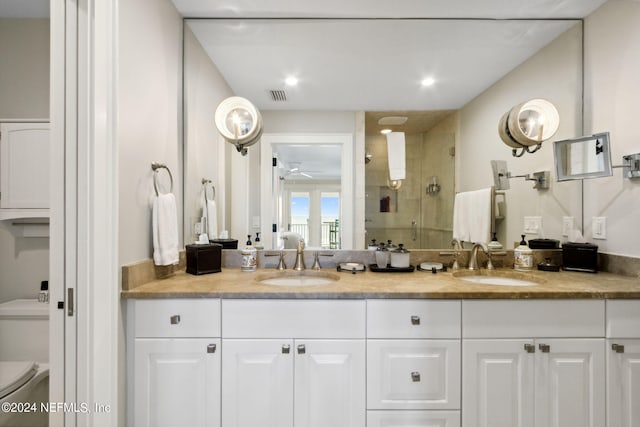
<point x="497" y="383"/>
<point x="570" y="383"/>
<point x="258" y="383"/>
<point x="413" y="374"/>
<point x="177" y="382"/>
<point x="623" y="383"/>
<point x="330" y="383"/>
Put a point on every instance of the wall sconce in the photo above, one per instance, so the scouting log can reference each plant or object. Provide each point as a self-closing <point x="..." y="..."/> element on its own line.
<point x="527" y="125"/>
<point x="239" y="122"/>
<point x="433" y="187"/>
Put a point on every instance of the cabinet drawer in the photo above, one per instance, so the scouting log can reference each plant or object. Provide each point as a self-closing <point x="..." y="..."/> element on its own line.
<point x="413" y="374"/>
<point x="413" y="319"/>
<point x="293" y="319"/>
<point x="532" y="319"/>
<point x="176" y="318"/>
<point x="623" y="319"/>
<point x="413" y="418"/>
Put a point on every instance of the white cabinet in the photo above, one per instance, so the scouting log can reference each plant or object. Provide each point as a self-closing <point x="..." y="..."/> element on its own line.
<point x="533" y="382"/>
<point x="623" y="363"/>
<point x="24" y="170"/>
<point x="293" y="363"/>
<point x="174" y="363"/>
<point x="413" y="362"/>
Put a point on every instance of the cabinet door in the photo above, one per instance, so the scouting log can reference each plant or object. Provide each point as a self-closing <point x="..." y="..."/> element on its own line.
<point x="413" y="374"/>
<point x="24" y="166"/>
<point x="570" y="383"/>
<point x="177" y="382"/>
<point x="258" y="383"/>
<point x="330" y="383"/>
<point x="497" y="383"/>
<point x="623" y="383"/>
<point x="413" y="418"/>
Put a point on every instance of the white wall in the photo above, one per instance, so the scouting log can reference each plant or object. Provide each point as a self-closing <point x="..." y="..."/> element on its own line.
<point x="612" y="67"/>
<point x="149" y="117"/>
<point x="24" y="89"/>
<point x="554" y="73"/>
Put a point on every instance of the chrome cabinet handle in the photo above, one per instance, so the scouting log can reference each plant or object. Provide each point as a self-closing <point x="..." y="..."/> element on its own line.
<point x="286" y="348"/>
<point x="618" y="348"/>
<point x="545" y="348"/>
<point x="302" y="349"/>
<point x="415" y="320"/>
<point x="529" y="348"/>
<point x="211" y="348"/>
<point x="415" y="377"/>
<point x="175" y="319"/>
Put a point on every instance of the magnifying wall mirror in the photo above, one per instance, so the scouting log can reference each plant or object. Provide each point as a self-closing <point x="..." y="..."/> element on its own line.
<point x="586" y="157"/>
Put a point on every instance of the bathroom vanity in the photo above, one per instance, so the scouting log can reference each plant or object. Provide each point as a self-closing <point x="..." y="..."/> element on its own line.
<point x="384" y="349"/>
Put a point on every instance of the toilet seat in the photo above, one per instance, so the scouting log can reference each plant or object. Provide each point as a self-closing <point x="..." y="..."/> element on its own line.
<point x="14" y="375"/>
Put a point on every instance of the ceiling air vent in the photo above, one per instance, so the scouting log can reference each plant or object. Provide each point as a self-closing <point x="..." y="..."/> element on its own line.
<point x="278" y="95"/>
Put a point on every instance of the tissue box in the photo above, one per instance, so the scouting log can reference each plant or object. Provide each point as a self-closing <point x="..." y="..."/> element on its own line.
<point x="580" y="257"/>
<point x="204" y="259"/>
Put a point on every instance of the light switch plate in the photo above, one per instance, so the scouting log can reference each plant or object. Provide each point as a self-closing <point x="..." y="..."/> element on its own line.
<point x="599" y="227"/>
<point x="568" y="223"/>
<point x="532" y="224"/>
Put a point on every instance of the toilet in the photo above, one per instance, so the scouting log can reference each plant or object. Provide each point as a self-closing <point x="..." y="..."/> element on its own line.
<point x="24" y="356"/>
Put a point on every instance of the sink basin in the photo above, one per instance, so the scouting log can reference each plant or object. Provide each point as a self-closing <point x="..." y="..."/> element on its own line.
<point x="497" y="278"/>
<point x="302" y="278"/>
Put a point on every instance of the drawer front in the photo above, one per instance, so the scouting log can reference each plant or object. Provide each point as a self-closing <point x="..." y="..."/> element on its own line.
<point x="293" y="319"/>
<point x="533" y="319"/>
<point x="623" y="319"/>
<point x="413" y="418"/>
<point x="186" y="318"/>
<point x="413" y="374"/>
<point x="413" y="319"/>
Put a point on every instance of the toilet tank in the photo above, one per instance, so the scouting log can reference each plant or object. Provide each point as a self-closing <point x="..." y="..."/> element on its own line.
<point x="24" y="330"/>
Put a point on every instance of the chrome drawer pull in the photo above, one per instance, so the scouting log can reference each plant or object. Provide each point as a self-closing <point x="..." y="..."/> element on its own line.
<point x="211" y="348"/>
<point x="175" y="319"/>
<point x="286" y="348"/>
<point x="302" y="349"/>
<point x="415" y="377"/>
<point x="529" y="348"/>
<point x="415" y="320"/>
<point x="545" y="348"/>
<point x="618" y="348"/>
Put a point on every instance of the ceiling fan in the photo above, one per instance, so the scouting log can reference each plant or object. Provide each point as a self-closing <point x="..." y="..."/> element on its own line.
<point x="295" y="170"/>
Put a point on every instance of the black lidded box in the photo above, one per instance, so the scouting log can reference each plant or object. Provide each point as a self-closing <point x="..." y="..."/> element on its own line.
<point x="580" y="257"/>
<point x="204" y="259"/>
<point x="544" y="244"/>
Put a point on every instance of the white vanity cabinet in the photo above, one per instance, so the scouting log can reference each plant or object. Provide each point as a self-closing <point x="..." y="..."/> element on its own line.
<point x="174" y="363"/>
<point x="533" y="364"/>
<point x="623" y="363"/>
<point x="413" y="363"/>
<point x="293" y="363"/>
<point x="24" y="169"/>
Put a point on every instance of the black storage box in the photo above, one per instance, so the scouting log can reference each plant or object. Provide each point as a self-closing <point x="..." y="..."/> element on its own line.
<point x="204" y="259"/>
<point x="544" y="244"/>
<point x="226" y="243"/>
<point x="580" y="257"/>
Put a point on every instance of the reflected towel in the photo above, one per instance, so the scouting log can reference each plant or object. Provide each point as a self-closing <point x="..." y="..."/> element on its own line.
<point x="396" y="155"/>
<point x="212" y="219"/>
<point x="164" y="217"/>
<point x="472" y="216"/>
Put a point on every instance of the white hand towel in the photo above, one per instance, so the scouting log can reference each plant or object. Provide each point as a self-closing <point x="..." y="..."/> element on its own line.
<point x="165" y="230"/>
<point x="212" y="219"/>
<point x="396" y="155"/>
<point x="461" y="212"/>
<point x="472" y="216"/>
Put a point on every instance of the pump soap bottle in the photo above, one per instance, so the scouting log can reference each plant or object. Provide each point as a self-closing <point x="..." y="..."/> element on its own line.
<point x="249" y="261"/>
<point x="523" y="257"/>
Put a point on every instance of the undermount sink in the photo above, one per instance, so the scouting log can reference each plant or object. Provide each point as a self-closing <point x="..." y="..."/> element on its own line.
<point x="496" y="278"/>
<point x="301" y="278"/>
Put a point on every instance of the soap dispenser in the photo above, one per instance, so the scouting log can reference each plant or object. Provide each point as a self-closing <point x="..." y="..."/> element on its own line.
<point x="494" y="244"/>
<point x="523" y="257"/>
<point x="249" y="261"/>
<point x="258" y="244"/>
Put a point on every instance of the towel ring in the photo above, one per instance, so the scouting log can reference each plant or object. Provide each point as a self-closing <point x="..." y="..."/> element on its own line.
<point x="204" y="189"/>
<point x="155" y="166"/>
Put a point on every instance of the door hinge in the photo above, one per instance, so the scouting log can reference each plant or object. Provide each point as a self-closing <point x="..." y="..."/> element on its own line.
<point x="274" y="162"/>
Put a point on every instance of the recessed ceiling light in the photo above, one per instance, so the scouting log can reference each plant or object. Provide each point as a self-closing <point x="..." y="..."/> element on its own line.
<point x="429" y="81"/>
<point x="385" y="131"/>
<point x="291" y="81"/>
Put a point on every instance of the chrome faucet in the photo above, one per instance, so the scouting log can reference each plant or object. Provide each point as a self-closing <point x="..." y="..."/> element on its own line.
<point x="473" y="259"/>
<point x="456" y="247"/>
<point x="281" y="265"/>
<point x="299" y="265"/>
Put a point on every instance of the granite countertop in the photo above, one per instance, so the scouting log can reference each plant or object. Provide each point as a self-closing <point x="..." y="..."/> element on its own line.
<point x="232" y="283"/>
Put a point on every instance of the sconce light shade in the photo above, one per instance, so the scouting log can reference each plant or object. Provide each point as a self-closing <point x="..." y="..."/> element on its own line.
<point x="528" y="125"/>
<point x="239" y="122"/>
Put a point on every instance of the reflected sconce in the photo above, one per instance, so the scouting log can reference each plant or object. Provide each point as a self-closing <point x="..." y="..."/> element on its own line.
<point x="527" y="125"/>
<point x="239" y="122"/>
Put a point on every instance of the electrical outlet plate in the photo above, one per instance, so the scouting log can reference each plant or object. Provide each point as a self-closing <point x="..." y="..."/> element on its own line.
<point x="532" y="224"/>
<point x="599" y="227"/>
<point x="568" y="224"/>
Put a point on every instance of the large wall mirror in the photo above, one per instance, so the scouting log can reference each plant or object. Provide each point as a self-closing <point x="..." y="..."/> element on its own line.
<point x="356" y="71"/>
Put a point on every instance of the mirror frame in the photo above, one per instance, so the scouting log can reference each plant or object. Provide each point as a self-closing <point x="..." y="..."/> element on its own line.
<point x="560" y="146"/>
